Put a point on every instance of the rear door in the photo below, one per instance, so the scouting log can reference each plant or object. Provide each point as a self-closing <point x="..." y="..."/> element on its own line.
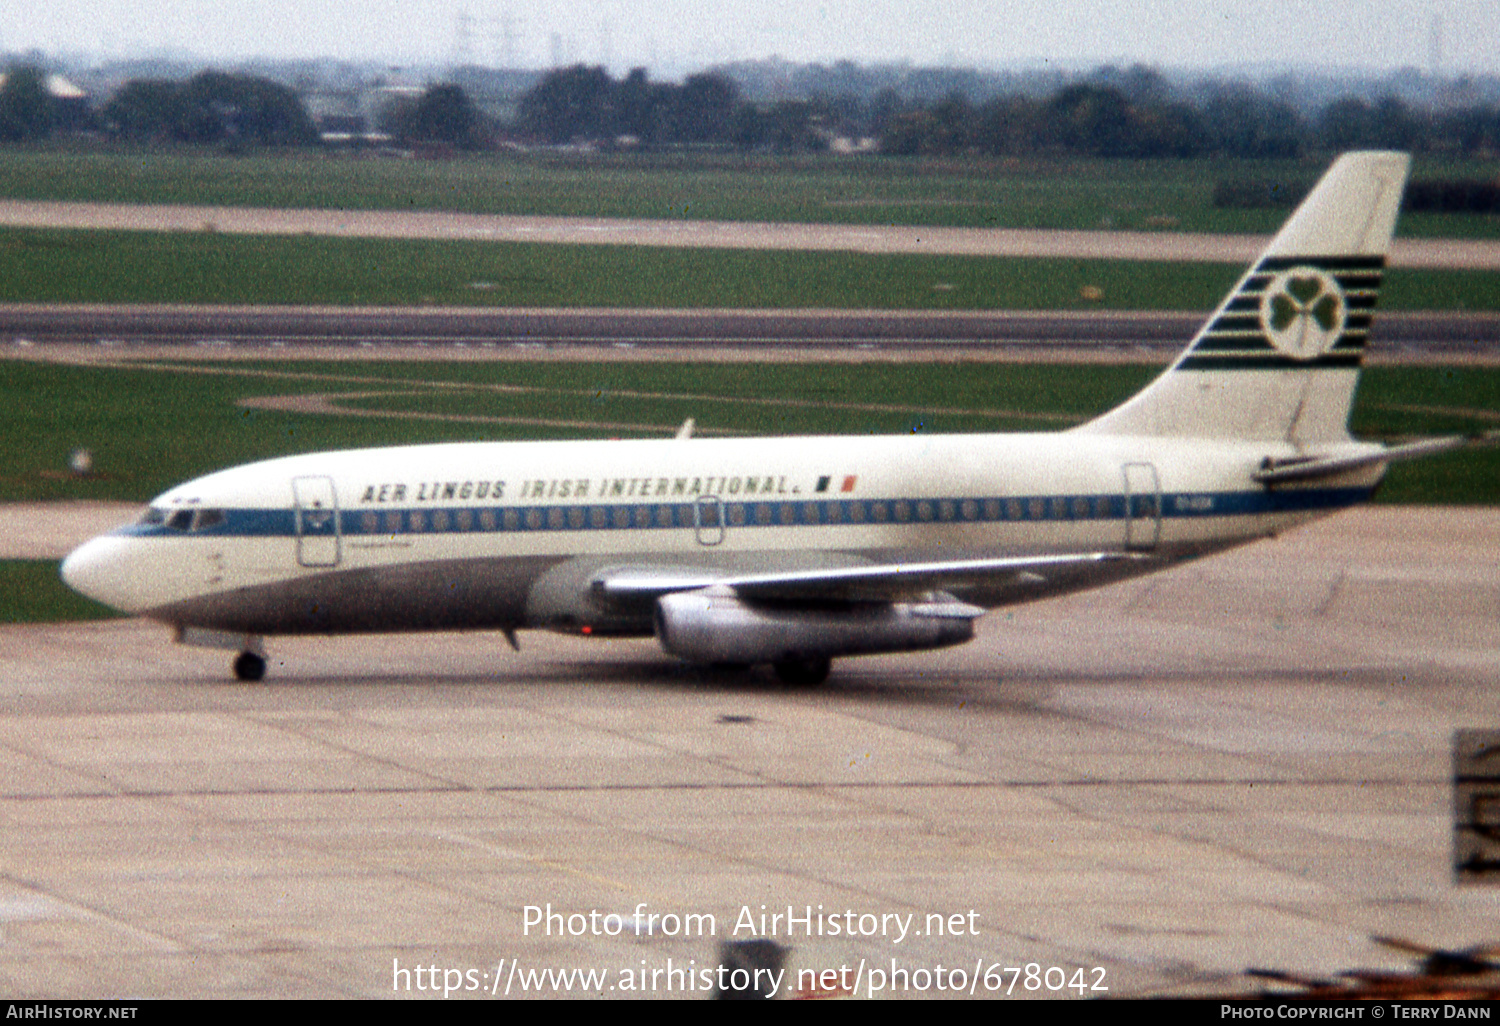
<point x="1142" y="507"/>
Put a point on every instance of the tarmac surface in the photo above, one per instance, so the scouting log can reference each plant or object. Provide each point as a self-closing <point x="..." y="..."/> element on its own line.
<point x="50" y="530"/>
<point x="1241" y="763"/>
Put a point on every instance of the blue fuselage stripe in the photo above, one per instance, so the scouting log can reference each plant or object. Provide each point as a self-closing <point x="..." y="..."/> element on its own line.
<point x="712" y="512"/>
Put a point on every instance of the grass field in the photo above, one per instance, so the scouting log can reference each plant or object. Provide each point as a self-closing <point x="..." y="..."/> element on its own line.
<point x="38" y="266"/>
<point x="151" y="427"/>
<point x="32" y="592"/>
<point x="1040" y="193"/>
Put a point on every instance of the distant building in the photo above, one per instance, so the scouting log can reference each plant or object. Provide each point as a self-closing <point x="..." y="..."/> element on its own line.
<point x="72" y="107"/>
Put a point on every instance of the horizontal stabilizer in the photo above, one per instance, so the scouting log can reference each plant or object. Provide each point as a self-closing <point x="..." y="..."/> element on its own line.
<point x="1316" y="468"/>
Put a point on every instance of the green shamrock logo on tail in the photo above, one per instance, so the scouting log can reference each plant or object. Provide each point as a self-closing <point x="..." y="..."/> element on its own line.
<point x="1303" y="312"/>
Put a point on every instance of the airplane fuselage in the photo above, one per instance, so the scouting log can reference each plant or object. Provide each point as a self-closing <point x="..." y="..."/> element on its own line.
<point x="508" y="535"/>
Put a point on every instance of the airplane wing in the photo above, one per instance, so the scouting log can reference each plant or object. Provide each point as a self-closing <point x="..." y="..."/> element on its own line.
<point x="1314" y="468"/>
<point x="877" y="582"/>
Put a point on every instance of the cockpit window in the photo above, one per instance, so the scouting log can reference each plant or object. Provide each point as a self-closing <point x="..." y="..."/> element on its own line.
<point x="186" y="519"/>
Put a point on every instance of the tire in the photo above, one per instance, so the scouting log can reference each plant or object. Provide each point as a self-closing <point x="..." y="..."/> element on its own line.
<point x="249" y="667"/>
<point x="803" y="673"/>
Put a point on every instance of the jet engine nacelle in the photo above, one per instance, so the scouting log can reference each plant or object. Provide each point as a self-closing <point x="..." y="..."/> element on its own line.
<point x="714" y="625"/>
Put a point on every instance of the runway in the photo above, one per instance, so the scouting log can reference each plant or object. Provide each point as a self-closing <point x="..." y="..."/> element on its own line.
<point x="1243" y="763"/>
<point x="678" y="333"/>
<point x="827" y="334"/>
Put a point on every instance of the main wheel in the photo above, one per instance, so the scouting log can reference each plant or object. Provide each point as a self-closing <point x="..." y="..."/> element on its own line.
<point x="803" y="673"/>
<point x="249" y="666"/>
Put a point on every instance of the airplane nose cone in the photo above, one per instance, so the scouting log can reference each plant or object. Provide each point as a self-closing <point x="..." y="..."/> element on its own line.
<point x="102" y="570"/>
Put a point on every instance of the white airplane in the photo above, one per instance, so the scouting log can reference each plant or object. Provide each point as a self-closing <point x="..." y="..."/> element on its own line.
<point x="797" y="551"/>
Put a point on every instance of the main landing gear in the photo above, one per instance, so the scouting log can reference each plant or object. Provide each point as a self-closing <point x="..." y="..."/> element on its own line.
<point x="249" y="666"/>
<point x="803" y="673"/>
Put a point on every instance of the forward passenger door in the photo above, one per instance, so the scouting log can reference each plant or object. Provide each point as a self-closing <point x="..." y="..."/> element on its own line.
<point x="317" y="514"/>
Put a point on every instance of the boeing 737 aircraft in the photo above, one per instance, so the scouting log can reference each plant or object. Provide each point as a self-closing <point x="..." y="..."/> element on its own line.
<point x="797" y="551"/>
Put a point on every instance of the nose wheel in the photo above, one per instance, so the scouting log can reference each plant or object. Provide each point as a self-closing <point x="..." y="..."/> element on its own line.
<point x="249" y="666"/>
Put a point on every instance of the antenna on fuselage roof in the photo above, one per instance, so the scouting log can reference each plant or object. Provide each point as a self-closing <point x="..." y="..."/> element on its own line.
<point x="686" y="431"/>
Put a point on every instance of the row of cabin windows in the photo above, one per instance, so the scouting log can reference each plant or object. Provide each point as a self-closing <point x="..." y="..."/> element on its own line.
<point x="738" y="514"/>
<point x="735" y="514"/>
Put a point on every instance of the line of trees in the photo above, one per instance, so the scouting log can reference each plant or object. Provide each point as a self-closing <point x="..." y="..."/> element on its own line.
<point x="442" y="115"/>
<point x="584" y="104"/>
<point x="225" y="110"/>
<point x="1135" y="113"/>
<point x="212" y="107"/>
<point x="1140" y="116"/>
<point x="1101" y="121"/>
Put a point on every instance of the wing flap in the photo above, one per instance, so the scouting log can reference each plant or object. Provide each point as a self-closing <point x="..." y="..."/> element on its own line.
<point x="880" y="581"/>
<point x="893" y="579"/>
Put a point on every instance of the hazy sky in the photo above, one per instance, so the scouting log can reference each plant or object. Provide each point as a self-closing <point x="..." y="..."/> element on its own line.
<point x="1378" y="34"/>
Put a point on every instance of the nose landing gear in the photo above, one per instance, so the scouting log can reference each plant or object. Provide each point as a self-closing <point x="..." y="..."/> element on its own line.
<point x="249" y="666"/>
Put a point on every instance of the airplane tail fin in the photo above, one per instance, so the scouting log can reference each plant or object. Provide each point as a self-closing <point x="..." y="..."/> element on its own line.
<point x="1280" y="358"/>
